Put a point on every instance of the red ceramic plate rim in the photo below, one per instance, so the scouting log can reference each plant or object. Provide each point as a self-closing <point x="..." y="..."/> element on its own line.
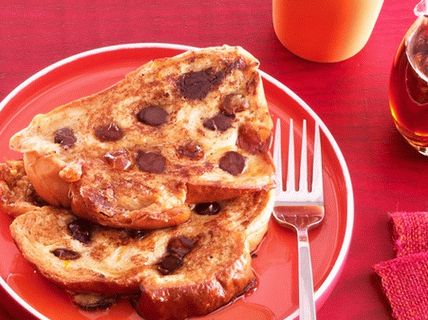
<point x="329" y="282"/>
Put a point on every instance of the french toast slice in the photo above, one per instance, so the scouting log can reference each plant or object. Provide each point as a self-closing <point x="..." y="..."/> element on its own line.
<point x="187" y="129"/>
<point x="177" y="272"/>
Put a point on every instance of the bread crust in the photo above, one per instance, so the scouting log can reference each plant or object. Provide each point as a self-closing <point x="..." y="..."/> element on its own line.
<point x="43" y="172"/>
<point x="62" y="174"/>
<point x="213" y="289"/>
<point x="17" y="195"/>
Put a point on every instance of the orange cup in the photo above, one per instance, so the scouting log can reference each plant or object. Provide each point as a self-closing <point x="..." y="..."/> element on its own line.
<point x="325" y="30"/>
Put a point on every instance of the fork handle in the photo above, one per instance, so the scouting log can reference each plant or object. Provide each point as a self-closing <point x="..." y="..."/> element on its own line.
<point x="306" y="287"/>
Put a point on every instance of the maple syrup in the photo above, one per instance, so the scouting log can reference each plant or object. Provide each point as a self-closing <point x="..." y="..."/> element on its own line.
<point x="408" y="87"/>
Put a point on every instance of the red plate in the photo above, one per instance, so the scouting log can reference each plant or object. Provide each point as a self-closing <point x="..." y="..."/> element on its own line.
<point x="276" y="263"/>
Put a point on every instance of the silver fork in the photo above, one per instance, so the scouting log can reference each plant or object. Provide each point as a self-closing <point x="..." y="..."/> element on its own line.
<point x="300" y="208"/>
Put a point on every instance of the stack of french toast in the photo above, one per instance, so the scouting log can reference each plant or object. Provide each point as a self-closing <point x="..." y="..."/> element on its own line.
<point x="157" y="189"/>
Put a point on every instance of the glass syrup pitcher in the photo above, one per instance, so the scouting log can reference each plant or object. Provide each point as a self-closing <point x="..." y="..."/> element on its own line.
<point x="408" y="86"/>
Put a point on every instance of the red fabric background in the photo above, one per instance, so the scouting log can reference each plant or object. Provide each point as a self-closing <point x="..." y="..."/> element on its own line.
<point x="351" y="98"/>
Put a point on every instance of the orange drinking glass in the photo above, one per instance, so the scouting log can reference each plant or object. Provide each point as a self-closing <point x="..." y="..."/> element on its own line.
<point x="325" y="30"/>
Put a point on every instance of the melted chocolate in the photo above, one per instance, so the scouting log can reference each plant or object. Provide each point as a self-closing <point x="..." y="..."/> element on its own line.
<point x="65" y="137"/>
<point x="220" y="122"/>
<point x="196" y="85"/>
<point x="177" y="249"/>
<point x="137" y="234"/>
<point x="207" y="208"/>
<point x="80" y="230"/>
<point x="65" y="254"/>
<point x="180" y="245"/>
<point x="169" y="264"/>
<point x="109" y="132"/>
<point x="232" y="162"/>
<point x="151" y="162"/>
<point x="152" y="116"/>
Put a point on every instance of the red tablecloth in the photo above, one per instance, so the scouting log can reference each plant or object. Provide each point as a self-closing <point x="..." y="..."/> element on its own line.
<point x="350" y="97"/>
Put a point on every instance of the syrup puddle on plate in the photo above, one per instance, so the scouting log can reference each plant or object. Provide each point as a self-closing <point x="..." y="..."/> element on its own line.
<point x="19" y="282"/>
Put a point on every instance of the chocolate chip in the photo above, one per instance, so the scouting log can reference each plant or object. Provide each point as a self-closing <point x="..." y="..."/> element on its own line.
<point x="93" y="301"/>
<point x="190" y="150"/>
<point x="118" y="159"/>
<point x="151" y="162"/>
<point x="109" y="132"/>
<point x="169" y="264"/>
<point x="220" y="122"/>
<point x="180" y="246"/>
<point x="66" y="254"/>
<point x="152" y="116"/>
<point x="176" y="249"/>
<point x="207" y="208"/>
<point x="137" y="234"/>
<point x="196" y="85"/>
<point x="65" y="137"/>
<point x="232" y="162"/>
<point x="80" y="230"/>
<point x="234" y="103"/>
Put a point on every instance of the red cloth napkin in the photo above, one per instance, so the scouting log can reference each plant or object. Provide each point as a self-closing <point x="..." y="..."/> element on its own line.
<point x="405" y="279"/>
<point x="410" y="232"/>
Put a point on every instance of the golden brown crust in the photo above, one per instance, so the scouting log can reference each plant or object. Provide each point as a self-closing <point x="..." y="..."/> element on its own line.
<point x="209" y="193"/>
<point x="126" y="199"/>
<point x="65" y="155"/>
<point x="210" y="287"/>
<point x="17" y="195"/>
<point x="85" y="204"/>
<point x="43" y="172"/>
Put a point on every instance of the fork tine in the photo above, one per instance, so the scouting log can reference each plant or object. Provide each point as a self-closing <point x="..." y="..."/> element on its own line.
<point x="290" y="168"/>
<point x="303" y="183"/>
<point x="277" y="158"/>
<point x="317" y="179"/>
